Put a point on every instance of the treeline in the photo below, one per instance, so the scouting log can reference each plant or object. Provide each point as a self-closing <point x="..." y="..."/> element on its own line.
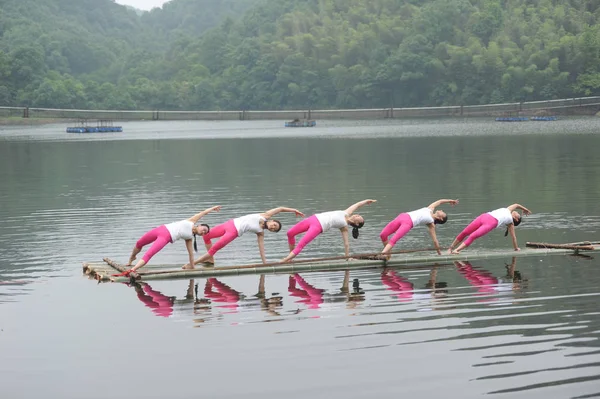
<point x="285" y="54"/>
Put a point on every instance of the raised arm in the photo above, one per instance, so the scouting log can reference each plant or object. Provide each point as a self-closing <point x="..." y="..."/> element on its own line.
<point x="354" y="207"/>
<point x="439" y="202"/>
<point x="275" y="211"/>
<point x="344" y="231"/>
<point x="521" y="207"/>
<point x="198" y="216"/>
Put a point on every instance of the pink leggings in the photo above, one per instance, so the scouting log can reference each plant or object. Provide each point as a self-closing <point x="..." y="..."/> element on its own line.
<point x="226" y="231"/>
<point x="479" y="227"/>
<point x="401" y="225"/>
<point x="159" y="235"/>
<point x="311" y="226"/>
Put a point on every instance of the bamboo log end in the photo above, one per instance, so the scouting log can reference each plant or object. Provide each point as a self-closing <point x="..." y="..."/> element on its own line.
<point x="576" y="247"/>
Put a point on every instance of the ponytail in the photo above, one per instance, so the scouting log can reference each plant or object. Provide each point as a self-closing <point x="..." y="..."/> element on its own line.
<point x="355" y="228"/>
<point x="515" y="223"/>
<point x="195" y="245"/>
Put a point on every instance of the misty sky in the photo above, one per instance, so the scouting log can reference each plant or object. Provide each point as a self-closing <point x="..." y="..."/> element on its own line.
<point x="142" y="4"/>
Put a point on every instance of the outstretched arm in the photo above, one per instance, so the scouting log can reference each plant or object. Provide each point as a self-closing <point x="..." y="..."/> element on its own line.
<point x="431" y="228"/>
<point x="275" y="211"/>
<point x="261" y="246"/>
<point x="344" y="231"/>
<point x="521" y="207"/>
<point x="439" y="202"/>
<point x="198" y="216"/>
<point x="354" y="207"/>
<point x="513" y="235"/>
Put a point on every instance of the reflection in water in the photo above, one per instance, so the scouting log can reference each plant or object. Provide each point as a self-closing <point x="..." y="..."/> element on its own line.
<point x="219" y="299"/>
<point x="313" y="297"/>
<point x="405" y="290"/>
<point x="539" y="338"/>
<point x="310" y="296"/>
<point x="486" y="283"/>
<point x="270" y="305"/>
<point x="227" y="297"/>
<point x="160" y="304"/>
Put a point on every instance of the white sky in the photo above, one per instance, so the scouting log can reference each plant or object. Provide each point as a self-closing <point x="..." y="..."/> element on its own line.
<point x="142" y="4"/>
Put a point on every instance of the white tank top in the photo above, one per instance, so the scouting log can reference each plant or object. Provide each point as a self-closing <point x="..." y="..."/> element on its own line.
<point x="332" y="219"/>
<point x="181" y="229"/>
<point x="421" y="216"/>
<point x="503" y="216"/>
<point x="248" y="223"/>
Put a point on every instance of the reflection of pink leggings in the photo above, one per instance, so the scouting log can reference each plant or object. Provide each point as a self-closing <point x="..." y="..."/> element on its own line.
<point x="401" y="225"/>
<point x="479" y="278"/>
<point x="399" y="284"/>
<point x="159" y="235"/>
<point x="224" y="293"/>
<point x="160" y="304"/>
<point x="311" y="226"/>
<point x="310" y="295"/>
<point x="479" y="227"/>
<point x="226" y="231"/>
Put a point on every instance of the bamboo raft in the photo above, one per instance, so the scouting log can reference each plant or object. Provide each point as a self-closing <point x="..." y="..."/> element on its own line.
<point x="103" y="271"/>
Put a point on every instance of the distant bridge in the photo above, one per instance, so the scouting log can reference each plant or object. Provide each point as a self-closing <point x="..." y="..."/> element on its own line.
<point x="566" y="106"/>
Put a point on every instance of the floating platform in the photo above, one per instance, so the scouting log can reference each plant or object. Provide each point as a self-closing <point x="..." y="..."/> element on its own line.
<point x="512" y="119"/>
<point x="103" y="271"/>
<point x="301" y="123"/>
<point x="544" y="118"/>
<point x="90" y="129"/>
<point x="101" y="126"/>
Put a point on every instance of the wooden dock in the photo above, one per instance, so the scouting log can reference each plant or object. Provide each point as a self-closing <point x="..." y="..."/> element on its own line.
<point x="103" y="271"/>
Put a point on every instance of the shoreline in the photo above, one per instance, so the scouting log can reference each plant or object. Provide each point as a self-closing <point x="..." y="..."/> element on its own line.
<point x="20" y="121"/>
<point x="32" y="121"/>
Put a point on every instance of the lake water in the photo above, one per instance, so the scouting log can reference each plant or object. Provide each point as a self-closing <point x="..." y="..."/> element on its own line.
<point x="527" y="328"/>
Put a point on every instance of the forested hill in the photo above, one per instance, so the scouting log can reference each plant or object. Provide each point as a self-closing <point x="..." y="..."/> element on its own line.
<point x="282" y="54"/>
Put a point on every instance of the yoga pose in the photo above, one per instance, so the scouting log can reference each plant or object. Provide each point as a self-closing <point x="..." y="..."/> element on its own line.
<point x="486" y="222"/>
<point x="404" y="222"/>
<point x="230" y="230"/>
<point x="169" y="233"/>
<point x="321" y="222"/>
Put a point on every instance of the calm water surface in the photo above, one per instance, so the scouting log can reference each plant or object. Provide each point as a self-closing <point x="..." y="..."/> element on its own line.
<point x="508" y="328"/>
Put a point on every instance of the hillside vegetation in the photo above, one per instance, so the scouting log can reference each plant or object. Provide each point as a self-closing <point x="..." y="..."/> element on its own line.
<point x="284" y="54"/>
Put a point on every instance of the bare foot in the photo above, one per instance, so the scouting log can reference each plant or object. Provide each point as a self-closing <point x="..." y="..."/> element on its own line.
<point x="187" y="266"/>
<point x="455" y="252"/>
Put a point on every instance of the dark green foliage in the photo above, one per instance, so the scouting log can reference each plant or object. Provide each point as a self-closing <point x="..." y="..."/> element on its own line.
<point x="285" y="54"/>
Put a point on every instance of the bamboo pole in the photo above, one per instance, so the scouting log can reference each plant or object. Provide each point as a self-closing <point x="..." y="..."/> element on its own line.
<point x="559" y="246"/>
<point x="115" y="265"/>
<point x="295" y="267"/>
<point x="366" y="257"/>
